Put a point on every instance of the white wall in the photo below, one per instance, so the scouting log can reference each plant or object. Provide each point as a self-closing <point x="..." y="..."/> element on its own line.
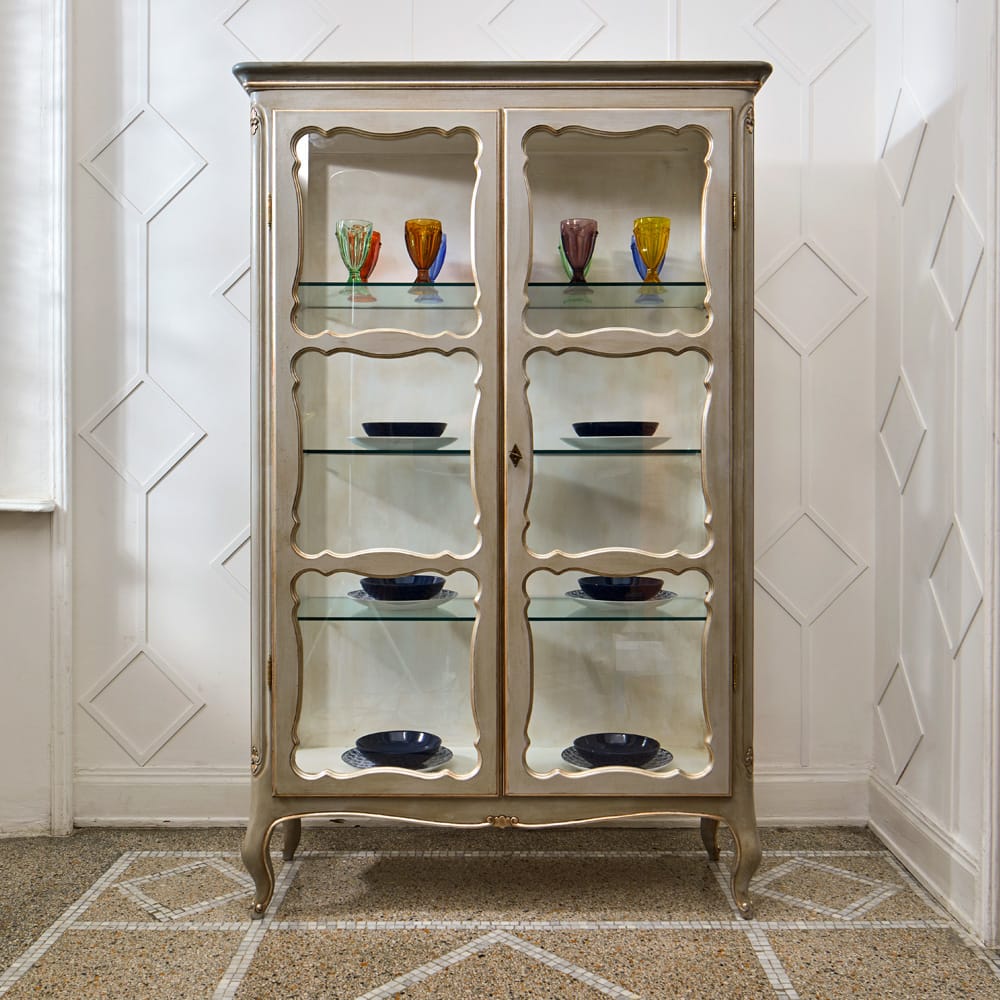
<point x="935" y="403"/>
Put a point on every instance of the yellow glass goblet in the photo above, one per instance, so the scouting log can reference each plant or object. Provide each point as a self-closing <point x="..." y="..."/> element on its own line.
<point x="652" y="234"/>
<point x="423" y="241"/>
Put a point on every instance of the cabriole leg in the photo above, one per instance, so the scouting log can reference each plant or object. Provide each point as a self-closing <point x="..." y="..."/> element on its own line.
<point x="292" y="834"/>
<point x="710" y="836"/>
<point x="257" y="859"/>
<point x="745" y="864"/>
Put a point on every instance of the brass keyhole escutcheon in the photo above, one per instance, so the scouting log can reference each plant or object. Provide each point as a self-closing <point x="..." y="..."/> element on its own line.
<point x="515" y="456"/>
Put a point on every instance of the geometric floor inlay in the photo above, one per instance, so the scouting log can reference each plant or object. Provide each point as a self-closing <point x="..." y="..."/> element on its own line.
<point x="579" y="914"/>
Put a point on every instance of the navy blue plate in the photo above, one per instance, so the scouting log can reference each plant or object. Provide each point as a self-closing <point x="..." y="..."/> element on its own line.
<point x="402" y="588"/>
<point x="620" y="588"/>
<point x="616" y="428"/>
<point x="398" y="743"/>
<point x="621" y="749"/>
<point x="404" y="428"/>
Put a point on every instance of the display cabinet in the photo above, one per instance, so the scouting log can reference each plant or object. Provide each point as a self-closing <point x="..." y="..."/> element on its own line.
<point x="502" y="465"/>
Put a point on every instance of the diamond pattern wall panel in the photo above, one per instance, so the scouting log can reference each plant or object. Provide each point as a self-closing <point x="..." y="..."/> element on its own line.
<point x="902" y="143"/>
<point x="141" y="704"/>
<point x="184" y="280"/>
<point x="555" y="30"/>
<point x="143" y="434"/>
<point x="805" y="297"/>
<point x="957" y="257"/>
<point x="807" y="38"/>
<point x="145" y="163"/>
<point x="956" y="587"/>
<point x="897" y="714"/>
<point x="806" y="568"/>
<point x="902" y="432"/>
<point x="284" y="31"/>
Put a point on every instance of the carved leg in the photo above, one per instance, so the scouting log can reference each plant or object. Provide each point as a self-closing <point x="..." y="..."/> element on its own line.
<point x="257" y="858"/>
<point x="292" y="836"/>
<point x="745" y="864"/>
<point x="710" y="836"/>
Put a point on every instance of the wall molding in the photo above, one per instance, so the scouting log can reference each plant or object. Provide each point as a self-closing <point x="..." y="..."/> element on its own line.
<point x="948" y="870"/>
<point x="57" y="119"/>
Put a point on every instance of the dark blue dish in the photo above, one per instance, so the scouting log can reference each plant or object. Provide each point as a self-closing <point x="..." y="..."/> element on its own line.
<point x="621" y="749"/>
<point x="620" y="588"/>
<point x="616" y="428"/>
<point x="398" y="746"/>
<point x="404" y="428"/>
<point x="402" y="588"/>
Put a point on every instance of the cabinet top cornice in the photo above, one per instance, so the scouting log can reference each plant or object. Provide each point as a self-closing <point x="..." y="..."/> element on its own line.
<point x="258" y="76"/>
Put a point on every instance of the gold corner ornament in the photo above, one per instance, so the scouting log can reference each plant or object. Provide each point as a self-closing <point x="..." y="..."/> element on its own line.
<point x="254" y="121"/>
<point x="255" y="760"/>
<point x="502" y="822"/>
<point x="748" y="121"/>
<point x="748" y="761"/>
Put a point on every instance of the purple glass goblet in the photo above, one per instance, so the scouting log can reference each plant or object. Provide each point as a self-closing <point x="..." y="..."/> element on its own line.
<point x="578" y="239"/>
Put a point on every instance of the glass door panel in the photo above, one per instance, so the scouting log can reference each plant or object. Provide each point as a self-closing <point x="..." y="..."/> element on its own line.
<point x="375" y="662"/>
<point x="602" y="664"/>
<point x="617" y="452"/>
<point x="386" y="179"/>
<point x="616" y="178"/>
<point x="386" y="452"/>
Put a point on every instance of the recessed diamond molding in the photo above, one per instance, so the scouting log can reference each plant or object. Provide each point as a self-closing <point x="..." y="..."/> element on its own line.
<point x="142" y="433"/>
<point x="556" y="29"/>
<point x="806" y="38"/>
<point x="897" y="714"/>
<point x="279" y="30"/>
<point x="806" y="568"/>
<point x="956" y="587"/>
<point x="903" y="142"/>
<point x="805" y="298"/>
<point x="141" y="704"/>
<point x="902" y="432"/>
<point x="957" y="257"/>
<point x="145" y="163"/>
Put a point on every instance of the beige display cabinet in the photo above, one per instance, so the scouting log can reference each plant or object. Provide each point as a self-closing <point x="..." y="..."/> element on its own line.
<point x="510" y="506"/>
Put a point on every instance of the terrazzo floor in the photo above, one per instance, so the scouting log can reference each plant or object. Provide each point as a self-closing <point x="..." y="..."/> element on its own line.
<point x="378" y="913"/>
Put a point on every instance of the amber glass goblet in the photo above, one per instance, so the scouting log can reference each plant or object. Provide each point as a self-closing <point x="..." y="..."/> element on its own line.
<point x="423" y="242"/>
<point x="353" y="238"/>
<point x="371" y="258"/>
<point x="652" y="234"/>
<point x="578" y="239"/>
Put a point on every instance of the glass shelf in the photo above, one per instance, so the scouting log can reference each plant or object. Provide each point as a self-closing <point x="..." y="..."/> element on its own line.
<point x="343" y="609"/>
<point x="342" y="297"/>
<point x="617" y="295"/>
<point x="617" y="451"/>
<point x="566" y="609"/>
<point x="387" y="451"/>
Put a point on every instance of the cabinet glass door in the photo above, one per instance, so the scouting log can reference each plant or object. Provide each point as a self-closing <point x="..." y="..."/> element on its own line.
<point x="384" y="430"/>
<point x="619" y="518"/>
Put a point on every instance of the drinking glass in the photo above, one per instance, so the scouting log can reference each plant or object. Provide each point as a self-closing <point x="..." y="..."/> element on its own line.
<point x="353" y="238"/>
<point x="652" y="234"/>
<point x="423" y="243"/>
<point x="578" y="239"/>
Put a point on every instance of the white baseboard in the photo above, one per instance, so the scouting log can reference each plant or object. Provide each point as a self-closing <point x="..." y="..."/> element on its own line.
<point x="33" y="826"/>
<point x="179" y="797"/>
<point x="945" y="868"/>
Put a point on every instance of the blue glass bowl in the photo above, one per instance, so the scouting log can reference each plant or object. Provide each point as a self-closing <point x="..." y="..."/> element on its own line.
<point x="404" y="428"/>
<point x="402" y="588"/>
<point x="620" y="588"/>
<point x="398" y="743"/>
<point x="621" y="749"/>
<point x="615" y="428"/>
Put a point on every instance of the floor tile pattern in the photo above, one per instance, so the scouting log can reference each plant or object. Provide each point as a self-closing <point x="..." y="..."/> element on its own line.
<point x="374" y="914"/>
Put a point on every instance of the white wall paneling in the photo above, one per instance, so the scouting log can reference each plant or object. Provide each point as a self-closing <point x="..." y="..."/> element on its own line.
<point x="875" y="367"/>
<point x="161" y="384"/>
<point x="935" y="750"/>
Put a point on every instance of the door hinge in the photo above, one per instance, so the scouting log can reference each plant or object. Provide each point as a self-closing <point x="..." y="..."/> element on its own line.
<point x="735" y="211"/>
<point x="736" y="674"/>
<point x="269" y="211"/>
<point x="269" y="671"/>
